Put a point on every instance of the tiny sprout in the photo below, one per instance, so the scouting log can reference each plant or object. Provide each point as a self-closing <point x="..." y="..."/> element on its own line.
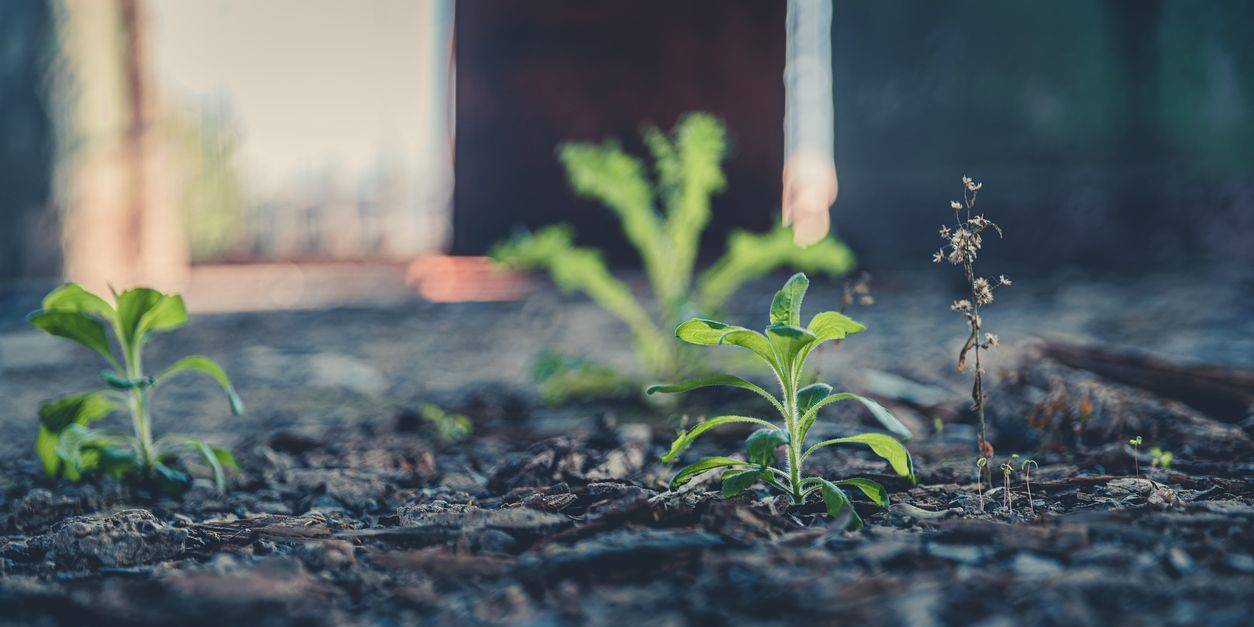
<point x="1162" y="459"/>
<point x="1136" y="442"/>
<point x="449" y="428"/>
<point x="785" y="346"/>
<point x="1007" y="469"/>
<point x="1027" y="480"/>
<point x="980" y="464"/>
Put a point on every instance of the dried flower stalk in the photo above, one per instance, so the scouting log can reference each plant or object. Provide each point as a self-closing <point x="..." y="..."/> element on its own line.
<point x="963" y="242"/>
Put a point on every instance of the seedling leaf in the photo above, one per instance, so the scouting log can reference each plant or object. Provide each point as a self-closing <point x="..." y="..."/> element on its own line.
<point x="203" y="364"/>
<point x="871" y="489"/>
<point x="737" y="481"/>
<point x="761" y="444"/>
<point x="710" y="463"/>
<point x="884" y="446"/>
<point x="684" y="439"/>
<point x="786" y="306"/>
<point x="711" y="381"/>
<point x="837" y="503"/>
<point x="76" y="326"/>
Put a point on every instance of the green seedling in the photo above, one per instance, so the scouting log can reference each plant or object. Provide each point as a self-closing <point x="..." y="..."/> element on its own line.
<point x="1007" y="469"/>
<point x="688" y="172"/>
<point x="1136" y="463"/>
<point x="1161" y="459"/>
<point x="1027" y="480"/>
<point x="784" y="346"/>
<point x="67" y="445"/>
<point x="981" y="465"/>
<point x="448" y="427"/>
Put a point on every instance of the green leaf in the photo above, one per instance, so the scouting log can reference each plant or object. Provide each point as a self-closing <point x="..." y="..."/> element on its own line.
<point x="837" y="502"/>
<point x="225" y="458"/>
<point x="203" y="364"/>
<point x="143" y="309"/>
<point x="737" y="481"/>
<point x="76" y="326"/>
<point x="82" y="409"/>
<point x="711" y="381"/>
<point x="703" y="332"/>
<point x="173" y="481"/>
<point x="884" y="446"/>
<point x="753" y="341"/>
<point x="211" y="458"/>
<point x="810" y="395"/>
<point x="46" y="449"/>
<point x="871" y="489"/>
<point x="684" y="439"/>
<point x="72" y="297"/>
<point x="885" y="417"/>
<point x="831" y="325"/>
<point x="73" y="442"/>
<point x="761" y="444"/>
<point x="788" y="341"/>
<point x="786" y="306"/>
<point x="710" y="463"/>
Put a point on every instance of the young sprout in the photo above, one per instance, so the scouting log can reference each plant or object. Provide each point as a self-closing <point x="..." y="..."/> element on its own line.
<point x="962" y="245"/>
<point x="1136" y="443"/>
<point x="449" y="428"/>
<point x="1007" y="469"/>
<point x="67" y="444"/>
<point x="1162" y="459"/>
<point x="1027" y="480"/>
<point x="784" y="346"/>
<point x="981" y="464"/>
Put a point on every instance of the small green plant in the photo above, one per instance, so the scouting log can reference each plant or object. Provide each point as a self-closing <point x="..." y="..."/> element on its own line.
<point x="1135" y="443"/>
<point x="688" y="166"/>
<point x="1160" y="458"/>
<point x="1007" y="469"/>
<point x="784" y="346"/>
<point x="448" y="427"/>
<point x="1027" y="480"/>
<point x="68" y="445"/>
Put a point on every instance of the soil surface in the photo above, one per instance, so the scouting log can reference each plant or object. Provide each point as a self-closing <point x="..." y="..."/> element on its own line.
<point x="349" y="509"/>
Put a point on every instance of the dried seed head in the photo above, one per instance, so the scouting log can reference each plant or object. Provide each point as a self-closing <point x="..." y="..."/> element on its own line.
<point x="955" y="205"/>
<point x="866" y="300"/>
<point x="990" y="340"/>
<point x="944" y="232"/>
<point x="1002" y="280"/>
<point x="938" y="256"/>
<point x="971" y="184"/>
<point x="964" y="245"/>
<point x="961" y="305"/>
<point x="982" y="290"/>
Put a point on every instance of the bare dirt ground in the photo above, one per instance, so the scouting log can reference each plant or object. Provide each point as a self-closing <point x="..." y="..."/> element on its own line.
<point x="349" y="511"/>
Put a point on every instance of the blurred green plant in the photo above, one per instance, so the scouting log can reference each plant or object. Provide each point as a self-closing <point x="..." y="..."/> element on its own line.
<point x="1160" y="458"/>
<point x="688" y="171"/>
<point x="67" y="444"/>
<point x="784" y="346"/>
<point x="448" y="427"/>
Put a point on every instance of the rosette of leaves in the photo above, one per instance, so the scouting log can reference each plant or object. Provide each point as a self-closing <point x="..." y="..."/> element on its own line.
<point x="785" y="345"/>
<point x="69" y="445"/>
<point x="663" y="217"/>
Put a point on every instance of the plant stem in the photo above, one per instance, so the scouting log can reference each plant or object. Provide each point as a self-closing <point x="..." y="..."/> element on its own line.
<point x="139" y="405"/>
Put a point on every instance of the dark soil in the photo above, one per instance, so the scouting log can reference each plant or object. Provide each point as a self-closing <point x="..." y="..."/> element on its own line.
<point x="348" y="509"/>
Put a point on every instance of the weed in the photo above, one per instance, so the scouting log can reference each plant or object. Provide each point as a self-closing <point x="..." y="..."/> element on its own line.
<point x="1135" y="443"/>
<point x="1161" y="459"/>
<point x="1007" y="469"/>
<point x="962" y="245"/>
<point x="67" y="444"/>
<point x="688" y="166"/>
<point x="448" y="427"/>
<point x="784" y="346"/>
<point x="1027" y="480"/>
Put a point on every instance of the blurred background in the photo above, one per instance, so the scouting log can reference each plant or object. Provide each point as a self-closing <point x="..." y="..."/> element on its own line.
<point x="297" y="152"/>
